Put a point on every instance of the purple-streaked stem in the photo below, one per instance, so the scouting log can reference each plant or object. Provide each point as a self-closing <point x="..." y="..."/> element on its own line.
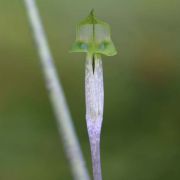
<point x="94" y="90"/>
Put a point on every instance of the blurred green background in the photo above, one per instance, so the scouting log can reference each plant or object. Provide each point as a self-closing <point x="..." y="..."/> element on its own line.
<point x="141" y="128"/>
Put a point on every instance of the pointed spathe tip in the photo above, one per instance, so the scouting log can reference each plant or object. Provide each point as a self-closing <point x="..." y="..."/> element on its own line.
<point x="92" y="12"/>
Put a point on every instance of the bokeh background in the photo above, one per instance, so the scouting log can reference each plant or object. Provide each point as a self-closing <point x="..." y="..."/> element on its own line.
<point x="141" y="128"/>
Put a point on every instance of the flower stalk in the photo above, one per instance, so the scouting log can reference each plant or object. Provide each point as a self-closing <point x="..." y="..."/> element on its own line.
<point x="93" y="38"/>
<point x="94" y="92"/>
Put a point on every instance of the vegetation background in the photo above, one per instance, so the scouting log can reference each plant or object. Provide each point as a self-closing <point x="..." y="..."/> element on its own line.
<point x="141" y="128"/>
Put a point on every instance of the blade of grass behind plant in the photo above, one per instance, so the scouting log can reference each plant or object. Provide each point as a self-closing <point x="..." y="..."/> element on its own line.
<point x="56" y="95"/>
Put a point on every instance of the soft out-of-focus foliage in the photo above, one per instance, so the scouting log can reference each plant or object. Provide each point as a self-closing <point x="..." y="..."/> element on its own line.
<point x="140" y="136"/>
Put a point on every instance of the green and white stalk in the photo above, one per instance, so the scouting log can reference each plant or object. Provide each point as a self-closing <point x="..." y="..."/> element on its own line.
<point x="93" y="37"/>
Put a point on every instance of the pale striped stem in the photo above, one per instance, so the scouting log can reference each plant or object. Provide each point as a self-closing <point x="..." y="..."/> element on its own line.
<point x="57" y="97"/>
<point x="94" y="90"/>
